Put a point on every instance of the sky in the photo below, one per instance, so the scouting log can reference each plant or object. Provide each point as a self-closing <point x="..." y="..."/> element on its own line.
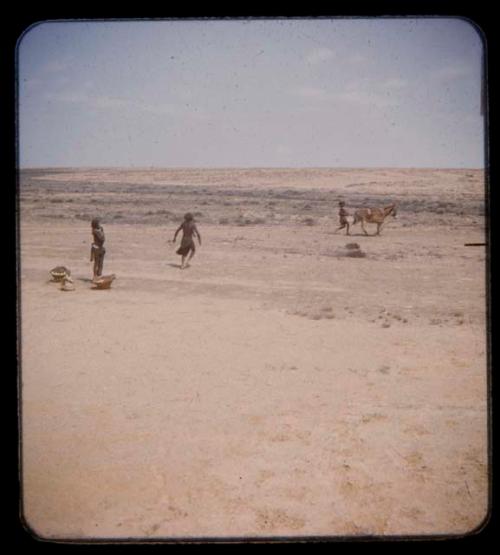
<point x="376" y="92"/>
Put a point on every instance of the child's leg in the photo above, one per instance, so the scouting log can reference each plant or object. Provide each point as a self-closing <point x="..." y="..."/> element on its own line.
<point x="191" y="254"/>
<point x="97" y="265"/>
<point x="100" y="265"/>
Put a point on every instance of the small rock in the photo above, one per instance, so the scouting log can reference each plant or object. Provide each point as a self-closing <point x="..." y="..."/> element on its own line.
<point x="356" y="254"/>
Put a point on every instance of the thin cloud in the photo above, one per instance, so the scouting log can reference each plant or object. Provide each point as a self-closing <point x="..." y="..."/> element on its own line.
<point x="283" y="150"/>
<point x="122" y="104"/>
<point x="56" y="66"/>
<point x="320" y="55"/>
<point x="67" y="97"/>
<point x="372" y="92"/>
<point x="361" y="93"/>
<point x="394" y="84"/>
<point x="356" y="59"/>
<point x="32" y="83"/>
<point x="451" y="72"/>
<point x="314" y="93"/>
<point x="359" y="97"/>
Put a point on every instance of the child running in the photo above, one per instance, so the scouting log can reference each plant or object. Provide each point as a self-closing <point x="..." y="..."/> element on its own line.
<point x="187" y="247"/>
<point x="344" y="222"/>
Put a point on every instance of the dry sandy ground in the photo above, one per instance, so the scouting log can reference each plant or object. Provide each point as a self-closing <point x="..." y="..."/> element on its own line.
<point x="276" y="387"/>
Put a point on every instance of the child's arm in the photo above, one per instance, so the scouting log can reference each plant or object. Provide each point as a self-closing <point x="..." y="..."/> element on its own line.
<point x="175" y="236"/>
<point x="197" y="234"/>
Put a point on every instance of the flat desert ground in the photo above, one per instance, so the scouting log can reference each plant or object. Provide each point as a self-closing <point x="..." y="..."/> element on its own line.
<point x="279" y="386"/>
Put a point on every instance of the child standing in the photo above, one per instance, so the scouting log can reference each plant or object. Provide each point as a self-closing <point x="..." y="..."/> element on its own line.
<point x="97" y="250"/>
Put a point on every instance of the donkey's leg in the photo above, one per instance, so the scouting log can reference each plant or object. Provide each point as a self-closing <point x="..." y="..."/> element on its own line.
<point x="363" y="227"/>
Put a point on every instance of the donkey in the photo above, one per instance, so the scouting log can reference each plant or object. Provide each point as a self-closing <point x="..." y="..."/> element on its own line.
<point x="373" y="216"/>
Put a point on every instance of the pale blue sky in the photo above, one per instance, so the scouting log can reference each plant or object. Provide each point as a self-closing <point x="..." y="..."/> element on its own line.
<point x="401" y="92"/>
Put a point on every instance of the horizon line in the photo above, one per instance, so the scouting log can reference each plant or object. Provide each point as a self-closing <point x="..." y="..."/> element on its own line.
<point x="155" y="168"/>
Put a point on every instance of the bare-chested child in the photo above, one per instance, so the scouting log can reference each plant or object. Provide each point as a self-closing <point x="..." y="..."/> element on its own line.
<point x="189" y="230"/>
<point x="343" y="214"/>
<point x="97" y="251"/>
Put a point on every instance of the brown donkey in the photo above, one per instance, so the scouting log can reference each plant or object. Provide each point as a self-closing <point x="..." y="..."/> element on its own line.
<point x="373" y="216"/>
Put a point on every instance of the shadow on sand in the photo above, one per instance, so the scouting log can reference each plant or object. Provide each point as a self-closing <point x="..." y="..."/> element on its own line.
<point x="172" y="265"/>
<point x="361" y="234"/>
